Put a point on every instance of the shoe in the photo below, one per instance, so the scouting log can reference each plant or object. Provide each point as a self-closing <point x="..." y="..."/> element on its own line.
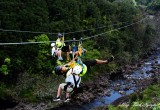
<point x="60" y="58"/>
<point x="67" y="99"/>
<point x="110" y="59"/>
<point x="56" y="99"/>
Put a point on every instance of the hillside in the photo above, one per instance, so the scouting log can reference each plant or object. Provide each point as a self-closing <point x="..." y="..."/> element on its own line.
<point x="107" y="27"/>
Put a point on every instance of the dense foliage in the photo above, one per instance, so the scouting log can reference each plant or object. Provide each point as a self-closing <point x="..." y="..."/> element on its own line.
<point x="53" y="16"/>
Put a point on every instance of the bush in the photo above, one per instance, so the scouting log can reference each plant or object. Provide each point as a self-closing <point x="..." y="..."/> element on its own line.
<point x="4" y="69"/>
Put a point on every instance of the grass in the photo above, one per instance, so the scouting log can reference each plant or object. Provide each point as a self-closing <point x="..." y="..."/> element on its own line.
<point x="33" y="87"/>
<point x="149" y="99"/>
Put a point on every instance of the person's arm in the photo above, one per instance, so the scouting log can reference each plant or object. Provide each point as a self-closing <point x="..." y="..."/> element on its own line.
<point x="53" y="51"/>
<point x="76" y="55"/>
<point x="84" y="50"/>
<point x="67" y="65"/>
<point x="71" y="64"/>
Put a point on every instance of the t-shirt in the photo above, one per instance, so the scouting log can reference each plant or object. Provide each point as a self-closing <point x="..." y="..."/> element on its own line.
<point x="71" y="79"/>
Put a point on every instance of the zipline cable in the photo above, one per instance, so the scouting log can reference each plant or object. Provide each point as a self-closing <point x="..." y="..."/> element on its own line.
<point x="5" y="30"/>
<point x="24" y="43"/>
<point x="96" y="28"/>
<point x="50" y="33"/>
<point x="115" y="29"/>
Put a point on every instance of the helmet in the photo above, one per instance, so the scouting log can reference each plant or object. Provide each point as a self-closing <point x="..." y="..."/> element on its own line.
<point x="52" y="44"/>
<point x="58" y="70"/>
<point x="59" y="35"/>
<point x="77" y="69"/>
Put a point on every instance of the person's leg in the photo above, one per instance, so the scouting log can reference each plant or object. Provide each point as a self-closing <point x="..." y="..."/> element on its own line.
<point x="67" y="95"/>
<point x="60" y="55"/>
<point x="76" y="55"/>
<point x="67" y="56"/>
<point x="59" y="91"/>
<point x="101" y="61"/>
<point x="67" y="99"/>
<point x="66" y="49"/>
<point x="90" y="63"/>
<point x="71" y="55"/>
<point x="105" y="61"/>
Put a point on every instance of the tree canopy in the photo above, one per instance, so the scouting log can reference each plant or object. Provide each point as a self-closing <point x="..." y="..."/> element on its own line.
<point x="20" y="20"/>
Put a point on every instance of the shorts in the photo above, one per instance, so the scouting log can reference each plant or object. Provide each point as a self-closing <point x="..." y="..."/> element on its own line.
<point x="69" y="89"/>
<point x="90" y="63"/>
<point x="66" y="48"/>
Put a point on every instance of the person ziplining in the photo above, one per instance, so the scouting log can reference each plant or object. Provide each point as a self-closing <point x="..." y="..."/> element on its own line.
<point x="56" y="47"/>
<point x="72" y="82"/>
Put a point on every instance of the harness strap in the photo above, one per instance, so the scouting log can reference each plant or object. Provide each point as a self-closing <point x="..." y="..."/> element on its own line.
<point x="76" y="82"/>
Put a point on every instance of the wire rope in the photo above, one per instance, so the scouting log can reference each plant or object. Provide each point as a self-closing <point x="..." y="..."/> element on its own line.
<point x="24" y="43"/>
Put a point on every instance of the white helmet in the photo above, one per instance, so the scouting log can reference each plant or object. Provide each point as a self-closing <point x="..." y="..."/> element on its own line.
<point x="52" y="44"/>
<point x="77" y="69"/>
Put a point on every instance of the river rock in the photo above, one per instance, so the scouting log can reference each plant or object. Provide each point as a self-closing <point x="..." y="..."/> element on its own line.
<point x="117" y="88"/>
<point x="122" y="92"/>
<point x="127" y="88"/>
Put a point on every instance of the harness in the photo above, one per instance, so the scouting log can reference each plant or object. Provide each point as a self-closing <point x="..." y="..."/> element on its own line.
<point x="69" y="83"/>
<point x="76" y="82"/>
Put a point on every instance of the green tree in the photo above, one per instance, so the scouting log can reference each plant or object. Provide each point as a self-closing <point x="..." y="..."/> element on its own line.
<point x="43" y="63"/>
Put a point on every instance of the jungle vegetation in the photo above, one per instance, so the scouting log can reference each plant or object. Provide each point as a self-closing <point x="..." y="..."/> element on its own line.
<point x="26" y="70"/>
